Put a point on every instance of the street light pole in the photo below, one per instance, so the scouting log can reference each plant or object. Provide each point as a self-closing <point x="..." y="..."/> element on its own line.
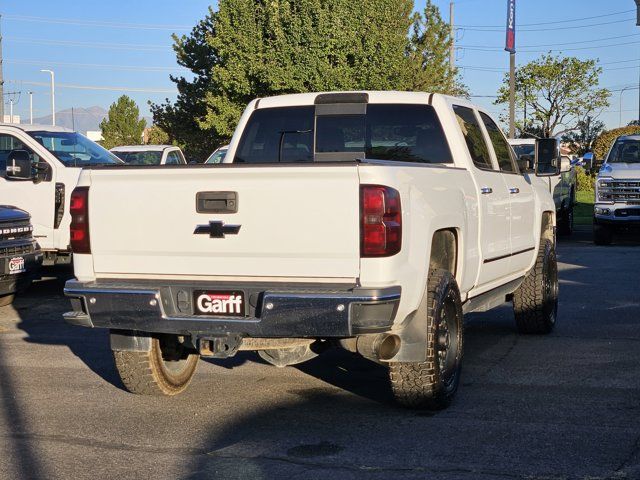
<point x="638" y="24"/>
<point x="31" y="108"/>
<point x="620" y="113"/>
<point x="53" y="95"/>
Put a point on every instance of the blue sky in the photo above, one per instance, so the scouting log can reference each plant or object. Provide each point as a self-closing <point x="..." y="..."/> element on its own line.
<point x="100" y="50"/>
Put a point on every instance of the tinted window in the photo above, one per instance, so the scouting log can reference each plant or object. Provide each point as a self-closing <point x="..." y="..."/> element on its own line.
<point x="473" y="137"/>
<point x="173" y="158"/>
<point x="409" y="133"/>
<point x="8" y="143"/>
<point x="277" y="134"/>
<point x="500" y="145"/>
<point x="625" y="151"/>
<point x="140" y="158"/>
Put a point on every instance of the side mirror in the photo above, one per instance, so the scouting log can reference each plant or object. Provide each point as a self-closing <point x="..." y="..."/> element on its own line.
<point x="525" y="163"/>
<point x="547" y="157"/>
<point x="565" y="164"/>
<point x="589" y="160"/>
<point x="19" y="166"/>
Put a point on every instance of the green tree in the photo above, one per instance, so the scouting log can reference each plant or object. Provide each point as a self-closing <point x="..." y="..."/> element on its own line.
<point x="558" y="91"/>
<point x="428" y="67"/>
<point x="257" y="48"/>
<point x="582" y="140"/>
<point x="157" y="136"/>
<point x="122" y="125"/>
<point x="180" y="119"/>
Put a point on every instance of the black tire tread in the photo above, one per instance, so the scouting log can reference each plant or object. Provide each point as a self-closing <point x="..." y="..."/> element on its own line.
<point x="142" y="374"/>
<point x="415" y="385"/>
<point x="528" y="299"/>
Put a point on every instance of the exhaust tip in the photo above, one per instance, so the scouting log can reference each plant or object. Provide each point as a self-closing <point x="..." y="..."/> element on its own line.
<point x="388" y="347"/>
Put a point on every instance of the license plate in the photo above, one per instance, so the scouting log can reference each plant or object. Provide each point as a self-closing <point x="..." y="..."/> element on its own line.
<point x="16" y="265"/>
<point x="220" y="304"/>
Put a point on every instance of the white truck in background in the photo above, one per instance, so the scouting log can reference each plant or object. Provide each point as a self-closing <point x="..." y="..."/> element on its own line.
<point x="372" y="220"/>
<point x="563" y="187"/>
<point x="618" y="190"/>
<point x="56" y="156"/>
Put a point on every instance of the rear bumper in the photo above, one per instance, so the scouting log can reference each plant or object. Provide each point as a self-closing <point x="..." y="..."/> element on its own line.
<point x="274" y="310"/>
<point x="15" y="282"/>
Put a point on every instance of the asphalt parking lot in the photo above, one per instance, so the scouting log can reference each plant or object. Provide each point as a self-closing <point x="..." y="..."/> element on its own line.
<point x="564" y="406"/>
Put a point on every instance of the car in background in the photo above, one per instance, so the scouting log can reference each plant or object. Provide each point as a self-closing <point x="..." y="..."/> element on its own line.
<point x="218" y="155"/>
<point x="20" y="255"/>
<point x="39" y="168"/>
<point x="150" y="154"/>
<point x="562" y="187"/>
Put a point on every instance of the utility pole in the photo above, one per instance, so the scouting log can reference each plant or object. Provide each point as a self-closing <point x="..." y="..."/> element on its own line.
<point x="11" y="110"/>
<point x="31" y="108"/>
<point x="1" y="78"/>
<point x="638" y="24"/>
<point x="53" y="96"/>
<point x="510" y="46"/>
<point x="452" y="48"/>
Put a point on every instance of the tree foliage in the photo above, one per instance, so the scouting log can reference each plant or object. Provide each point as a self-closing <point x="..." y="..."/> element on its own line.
<point x="122" y="125"/>
<point x="257" y="48"/>
<point x="604" y="142"/>
<point x="582" y="140"/>
<point x="156" y="136"/>
<point x="558" y="91"/>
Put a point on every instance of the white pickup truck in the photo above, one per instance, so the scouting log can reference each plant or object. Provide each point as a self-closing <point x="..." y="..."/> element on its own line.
<point x="57" y="155"/>
<point x="563" y="187"/>
<point x="372" y="220"/>
<point x="618" y="190"/>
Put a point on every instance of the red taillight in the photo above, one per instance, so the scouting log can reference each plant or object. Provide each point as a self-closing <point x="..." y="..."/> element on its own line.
<point x="79" y="209"/>
<point x="380" y="221"/>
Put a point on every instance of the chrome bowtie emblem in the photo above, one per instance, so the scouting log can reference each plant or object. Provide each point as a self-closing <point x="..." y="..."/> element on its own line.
<point x="217" y="229"/>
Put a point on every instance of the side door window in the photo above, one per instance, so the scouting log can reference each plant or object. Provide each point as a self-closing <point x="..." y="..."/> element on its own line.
<point x="173" y="158"/>
<point x="500" y="146"/>
<point x="474" y="137"/>
<point x="8" y="144"/>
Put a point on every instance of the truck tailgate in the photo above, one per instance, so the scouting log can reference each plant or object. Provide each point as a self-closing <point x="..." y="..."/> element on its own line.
<point x="294" y="221"/>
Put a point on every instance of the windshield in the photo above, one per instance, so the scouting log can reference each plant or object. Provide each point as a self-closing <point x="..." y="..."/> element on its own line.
<point x="524" y="150"/>
<point x="625" y="151"/>
<point x="140" y="158"/>
<point x="398" y="132"/>
<point x="74" y="150"/>
<point x="217" y="156"/>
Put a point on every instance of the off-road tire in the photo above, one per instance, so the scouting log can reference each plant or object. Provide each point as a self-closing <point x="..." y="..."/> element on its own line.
<point x="602" y="234"/>
<point x="535" y="302"/>
<point x="425" y="385"/>
<point x="7" y="299"/>
<point x="148" y="373"/>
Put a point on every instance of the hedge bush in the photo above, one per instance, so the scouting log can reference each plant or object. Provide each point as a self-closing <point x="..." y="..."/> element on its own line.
<point x="586" y="182"/>
<point x="603" y="143"/>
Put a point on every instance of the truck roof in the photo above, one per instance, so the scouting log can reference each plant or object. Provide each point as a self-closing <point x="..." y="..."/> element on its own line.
<point x="299" y="99"/>
<point x="629" y="137"/>
<point x="36" y="127"/>
<point x="141" y="148"/>
<point x="522" y="141"/>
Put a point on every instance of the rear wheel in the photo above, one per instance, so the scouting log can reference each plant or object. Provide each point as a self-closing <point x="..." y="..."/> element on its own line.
<point x="167" y="369"/>
<point x="602" y="234"/>
<point x="535" y="302"/>
<point x="432" y="384"/>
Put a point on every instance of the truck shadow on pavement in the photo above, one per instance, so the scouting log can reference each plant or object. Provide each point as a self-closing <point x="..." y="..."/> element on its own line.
<point x="40" y="310"/>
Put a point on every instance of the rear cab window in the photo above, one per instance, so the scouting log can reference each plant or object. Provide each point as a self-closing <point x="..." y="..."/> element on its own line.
<point x="395" y="132"/>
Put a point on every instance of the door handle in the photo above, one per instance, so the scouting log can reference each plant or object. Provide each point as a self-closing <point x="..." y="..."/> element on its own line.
<point x="513" y="191"/>
<point x="486" y="190"/>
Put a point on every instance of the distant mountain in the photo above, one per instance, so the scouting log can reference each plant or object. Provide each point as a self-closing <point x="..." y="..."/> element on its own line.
<point x="84" y="119"/>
